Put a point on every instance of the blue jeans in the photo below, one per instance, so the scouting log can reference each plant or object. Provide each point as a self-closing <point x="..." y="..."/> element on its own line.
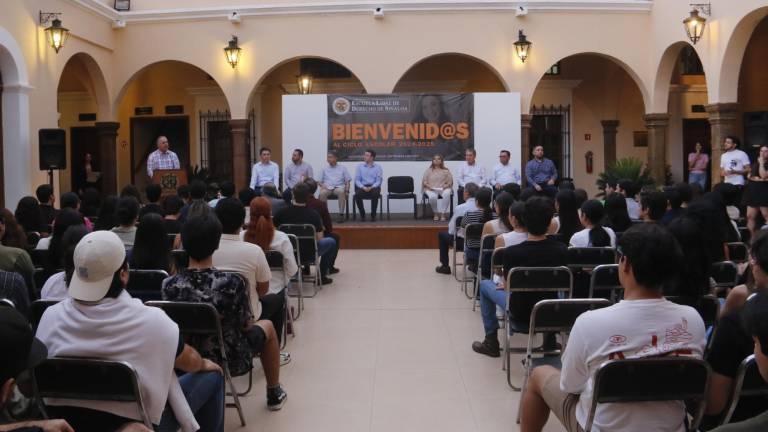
<point x="325" y="247"/>
<point x="700" y="178"/>
<point x="205" y="395"/>
<point x="490" y="297"/>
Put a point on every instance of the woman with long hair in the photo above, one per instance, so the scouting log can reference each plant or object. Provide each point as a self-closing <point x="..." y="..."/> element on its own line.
<point x="106" y="220"/>
<point x="14" y="233"/>
<point x="566" y="223"/>
<point x="30" y="217"/>
<point x="692" y="280"/>
<point x="616" y="214"/>
<point x="757" y="191"/>
<point x="594" y="233"/>
<point x="66" y="218"/>
<point x="502" y="223"/>
<point x="55" y="287"/>
<point x="261" y="231"/>
<point x="151" y="249"/>
<point x="437" y="185"/>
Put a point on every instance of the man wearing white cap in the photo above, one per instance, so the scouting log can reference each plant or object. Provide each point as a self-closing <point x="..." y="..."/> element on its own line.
<point x="101" y="320"/>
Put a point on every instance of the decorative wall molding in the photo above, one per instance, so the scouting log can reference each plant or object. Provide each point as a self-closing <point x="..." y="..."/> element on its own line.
<point x="319" y="87"/>
<point x="362" y="7"/>
<point x="557" y="84"/>
<point x="681" y="88"/>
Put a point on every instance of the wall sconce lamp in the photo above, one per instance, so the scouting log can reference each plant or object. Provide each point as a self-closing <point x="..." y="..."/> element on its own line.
<point x="232" y="52"/>
<point x="305" y="83"/>
<point x="55" y="33"/>
<point x="522" y="46"/>
<point x="695" y="23"/>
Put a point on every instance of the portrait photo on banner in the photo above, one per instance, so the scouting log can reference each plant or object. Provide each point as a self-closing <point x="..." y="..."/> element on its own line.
<point x="407" y="127"/>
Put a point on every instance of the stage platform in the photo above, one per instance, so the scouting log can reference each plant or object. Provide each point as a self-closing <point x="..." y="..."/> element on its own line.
<point x="400" y="232"/>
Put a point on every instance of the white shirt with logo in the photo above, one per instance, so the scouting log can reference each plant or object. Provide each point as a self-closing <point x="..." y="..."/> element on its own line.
<point x="734" y="160"/>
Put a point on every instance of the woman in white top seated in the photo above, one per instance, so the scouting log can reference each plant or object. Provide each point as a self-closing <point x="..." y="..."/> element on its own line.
<point x="261" y="231"/>
<point x="501" y="224"/>
<point x="518" y="234"/>
<point x="593" y="234"/>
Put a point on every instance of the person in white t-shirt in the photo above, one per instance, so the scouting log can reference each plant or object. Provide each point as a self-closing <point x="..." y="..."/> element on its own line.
<point x="628" y="188"/>
<point x="644" y="324"/>
<point x="518" y="234"/>
<point x="734" y="163"/>
<point x="594" y="234"/>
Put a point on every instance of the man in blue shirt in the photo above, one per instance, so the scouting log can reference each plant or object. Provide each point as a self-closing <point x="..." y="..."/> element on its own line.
<point x="368" y="184"/>
<point x="541" y="173"/>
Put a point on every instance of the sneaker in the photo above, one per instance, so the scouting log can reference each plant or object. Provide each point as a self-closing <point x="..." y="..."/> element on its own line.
<point x="285" y="358"/>
<point x="333" y="270"/>
<point x="443" y="270"/>
<point x="325" y="280"/>
<point x="436" y="218"/>
<point x="442" y="218"/>
<point x="487" y="347"/>
<point x="276" y="398"/>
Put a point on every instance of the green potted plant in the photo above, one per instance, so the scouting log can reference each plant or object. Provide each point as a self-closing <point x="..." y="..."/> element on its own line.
<point x="626" y="168"/>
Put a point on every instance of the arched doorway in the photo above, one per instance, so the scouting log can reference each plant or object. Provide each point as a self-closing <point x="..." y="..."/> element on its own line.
<point x="450" y="73"/>
<point x="753" y="92"/>
<point x="587" y="111"/>
<point x="184" y="103"/>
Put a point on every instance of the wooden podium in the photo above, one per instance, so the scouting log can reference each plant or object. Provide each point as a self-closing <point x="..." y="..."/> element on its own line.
<point x="169" y="180"/>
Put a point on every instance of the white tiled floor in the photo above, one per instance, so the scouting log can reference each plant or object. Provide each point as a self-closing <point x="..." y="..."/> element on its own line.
<point x="386" y="347"/>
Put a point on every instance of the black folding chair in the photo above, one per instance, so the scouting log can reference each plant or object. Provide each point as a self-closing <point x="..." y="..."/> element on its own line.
<point x="36" y="310"/>
<point x="425" y="201"/>
<point x="738" y="252"/>
<point x="90" y="380"/>
<point x="707" y="306"/>
<point x="472" y="235"/>
<point x="748" y="383"/>
<point x="547" y="281"/>
<point x="458" y="246"/>
<point x="202" y="319"/>
<point x="299" y="277"/>
<point x="652" y="380"/>
<point x="306" y="236"/>
<point x="725" y="274"/>
<point x="553" y="316"/>
<point x="604" y="278"/>
<point x="146" y="285"/>
<point x="484" y="264"/>
<point x="590" y="257"/>
<point x="277" y="264"/>
<point x="399" y="188"/>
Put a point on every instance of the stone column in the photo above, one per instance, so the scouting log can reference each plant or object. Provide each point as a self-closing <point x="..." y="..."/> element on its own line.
<point x="657" y="145"/>
<point x="107" y="136"/>
<point x="241" y="160"/>
<point x="609" y="142"/>
<point x="525" y="143"/>
<point x="722" y="120"/>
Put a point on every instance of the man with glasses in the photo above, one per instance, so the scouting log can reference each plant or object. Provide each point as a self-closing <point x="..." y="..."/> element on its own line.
<point x="162" y="158"/>
<point x="470" y="172"/>
<point x="503" y="173"/>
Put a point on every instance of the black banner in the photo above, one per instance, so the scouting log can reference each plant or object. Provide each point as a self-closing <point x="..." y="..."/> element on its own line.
<point x="401" y="127"/>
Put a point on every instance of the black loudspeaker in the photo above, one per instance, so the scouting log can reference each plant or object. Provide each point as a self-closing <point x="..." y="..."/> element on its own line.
<point x="53" y="149"/>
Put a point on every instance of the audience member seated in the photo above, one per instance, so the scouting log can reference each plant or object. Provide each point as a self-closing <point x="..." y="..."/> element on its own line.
<point x="519" y="233"/>
<point x="650" y="326"/>
<point x="153" y="191"/>
<point x="692" y="281"/>
<point x="248" y="260"/>
<point x="368" y="178"/>
<point x="483" y="214"/>
<point x="14" y="235"/>
<point x="54" y="260"/>
<point x="102" y="321"/>
<point x="706" y="216"/>
<point x="295" y="172"/>
<point x="321" y="207"/>
<point x="731" y="230"/>
<point x="55" y="287"/>
<point x="566" y="223"/>
<point x="227" y="190"/>
<point x="45" y="197"/>
<point x="501" y="224"/>
<point x="107" y="218"/>
<point x="513" y="189"/>
<point x="594" y="233"/>
<point x="616" y="216"/>
<point x="269" y="191"/>
<point x="437" y="182"/>
<point x="731" y="195"/>
<point x="445" y="238"/>
<point x="90" y="203"/>
<point x="756" y="323"/>
<point x="244" y="337"/>
<point x="261" y="231"/>
<point x="21" y="351"/>
<point x="675" y="201"/>
<point x="12" y="288"/>
<point x="628" y="188"/>
<point x="197" y="192"/>
<point x="581" y="196"/>
<point x="653" y="206"/>
<point x="127" y="214"/>
<point x="30" y="217"/>
<point x="17" y="260"/>
<point x="72" y="201"/>
<point x="732" y="343"/>
<point x="686" y="193"/>
<point x="246" y="195"/>
<point x="151" y="249"/>
<point x="299" y="213"/>
<point x="183" y="192"/>
<point x="536" y="251"/>
<point x="132" y="191"/>
<point x="172" y="205"/>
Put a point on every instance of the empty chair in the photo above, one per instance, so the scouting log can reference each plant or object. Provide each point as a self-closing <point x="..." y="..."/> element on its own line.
<point x="306" y="236"/>
<point x="458" y="246"/>
<point x="298" y="278"/>
<point x="605" y="281"/>
<point x="88" y="379"/>
<point x="472" y="242"/>
<point x="276" y="264"/>
<point x="146" y="284"/>
<point x="487" y="248"/>
<point x="399" y="188"/>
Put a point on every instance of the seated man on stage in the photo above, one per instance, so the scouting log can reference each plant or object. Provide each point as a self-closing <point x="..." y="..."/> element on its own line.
<point x="265" y="171"/>
<point x="445" y="238"/>
<point x="368" y="177"/>
<point x="470" y="172"/>
<point x="335" y="181"/>
<point x="162" y="158"/>
<point x="541" y="173"/>
<point x="503" y="173"/>
<point x="296" y="172"/>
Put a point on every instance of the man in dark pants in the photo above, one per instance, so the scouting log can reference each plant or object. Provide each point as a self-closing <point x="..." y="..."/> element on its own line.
<point x="321" y="207"/>
<point x="445" y="238"/>
<point x="541" y="173"/>
<point x="368" y="177"/>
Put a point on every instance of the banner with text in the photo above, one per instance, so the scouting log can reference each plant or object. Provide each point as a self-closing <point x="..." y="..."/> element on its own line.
<point x="401" y="127"/>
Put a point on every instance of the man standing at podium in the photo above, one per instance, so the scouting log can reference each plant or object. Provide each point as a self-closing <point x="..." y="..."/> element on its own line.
<point x="162" y="158"/>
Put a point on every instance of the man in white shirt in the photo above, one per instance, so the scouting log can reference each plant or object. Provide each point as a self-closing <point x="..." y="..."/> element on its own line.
<point x="265" y="171"/>
<point x="162" y="158"/>
<point x="734" y="163"/>
<point x="644" y="324"/>
<point x="503" y="173"/>
<point x="470" y="172"/>
<point x="297" y="171"/>
<point x="335" y="180"/>
<point x="445" y="238"/>
<point x="629" y="190"/>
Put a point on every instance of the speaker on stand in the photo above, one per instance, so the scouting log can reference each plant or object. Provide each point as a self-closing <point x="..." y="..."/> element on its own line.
<point x="53" y="151"/>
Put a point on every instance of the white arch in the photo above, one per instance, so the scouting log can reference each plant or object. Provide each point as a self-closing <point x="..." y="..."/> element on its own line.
<point x="17" y="149"/>
<point x="728" y="85"/>
<point x="492" y="69"/>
